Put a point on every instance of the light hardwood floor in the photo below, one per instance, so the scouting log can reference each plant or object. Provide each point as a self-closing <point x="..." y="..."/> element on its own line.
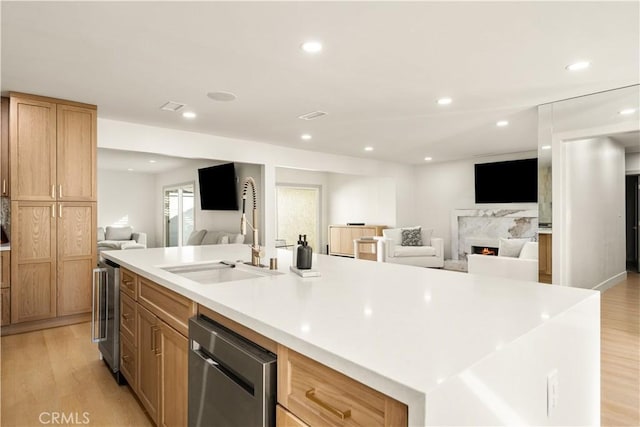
<point x="620" y="353"/>
<point x="58" y="370"/>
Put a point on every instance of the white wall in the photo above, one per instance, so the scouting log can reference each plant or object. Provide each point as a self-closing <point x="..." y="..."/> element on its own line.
<point x="371" y="200"/>
<point x="208" y="220"/>
<point x="442" y="187"/>
<point x="128" y="198"/>
<point x="594" y="231"/>
<point x="632" y="163"/>
<point x="150" y="139"/>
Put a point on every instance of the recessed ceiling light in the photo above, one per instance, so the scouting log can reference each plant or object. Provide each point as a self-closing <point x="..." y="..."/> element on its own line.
<point x="189" y="115"/>
<point x="444" y="101"/>
<point x="428" y="159"/>
<point x="312" y="46"/>
<point x="152" y="161"/>
<point x="368" y="148"/>
<point x="222" y="96"/>
<point x="546" y="147"/>
<point x="305" y="136"/>
<point x="577" y="66"/>
<point x="130" y="170"/>
<point x="502" y="123"/>
<point x="627" y="111"/>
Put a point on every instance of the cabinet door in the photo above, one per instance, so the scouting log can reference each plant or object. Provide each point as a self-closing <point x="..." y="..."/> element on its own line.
<point x="76" y="153"/>
<point x="334" y="240"/>
<point x="77" y="247"/>
<point x="285" y="418"/>
<point x="32" y="145"/>
<point x="174" y="374"/>
<point x="33" y="264"/>
<point x="148" y="361"/>
<point x="5" y="269"/>
<point x="4" y="148"/>
<point x="5" y="306"/>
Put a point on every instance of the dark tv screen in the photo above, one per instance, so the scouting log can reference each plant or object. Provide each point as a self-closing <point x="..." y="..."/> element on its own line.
<point x="218" y="190"/>
<point x="514" y="181"/>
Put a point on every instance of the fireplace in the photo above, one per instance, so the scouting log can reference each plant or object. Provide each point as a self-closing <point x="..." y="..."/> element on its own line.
<point x="484" y="250"/>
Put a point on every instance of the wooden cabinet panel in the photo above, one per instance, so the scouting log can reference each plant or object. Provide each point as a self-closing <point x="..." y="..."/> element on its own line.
<point x="5" y="269"/>
<point x="128" y="362"/>
<point x="148" y="329"/>
<point x="76" y="149"/>
<point x="5" y="306"/>
<point x="5" y="181"/>
<point x="32" y="145"/>
<point x="33" y="267"/>
<point x="128" y="310"/>
<point x="129" y="283"/>
<point x="321" y="396"/>
<point x="169" y="306"/>
<point x="285" y="418"/>
<point x="174" y="375"/>
<point x="544" y="257"/>
<point x="74" y="286"/>
<point x="341" y="237"/>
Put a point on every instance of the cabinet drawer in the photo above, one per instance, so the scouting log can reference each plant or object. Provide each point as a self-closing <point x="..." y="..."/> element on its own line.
<point x="128" y="361"/>
<point x="321" y="396"/>
<point x="128" y="317"/>
<point x="129" y="283"/>
<point x="169" y="306"/>
<point x="285" y="418"/>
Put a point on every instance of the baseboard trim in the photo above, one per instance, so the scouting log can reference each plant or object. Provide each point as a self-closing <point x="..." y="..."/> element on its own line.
<point x="19" y="328"/>
<point x="611" y="282"/>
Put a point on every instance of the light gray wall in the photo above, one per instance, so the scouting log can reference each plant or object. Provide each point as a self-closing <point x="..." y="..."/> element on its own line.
<point x="632" y="163"/>
<point x="595" y="230"/>
<point x="443" y="187"/>
<point x="128" y="198"/>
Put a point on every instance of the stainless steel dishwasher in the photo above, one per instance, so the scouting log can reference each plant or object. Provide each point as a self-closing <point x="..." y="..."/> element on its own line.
<point x="232" y="381"/>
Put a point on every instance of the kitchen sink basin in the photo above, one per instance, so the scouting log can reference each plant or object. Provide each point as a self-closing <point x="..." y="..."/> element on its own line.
<point x="219" y="272"/>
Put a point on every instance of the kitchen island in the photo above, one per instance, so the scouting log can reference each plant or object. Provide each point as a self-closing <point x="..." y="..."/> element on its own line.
<point x="457" y="349"/>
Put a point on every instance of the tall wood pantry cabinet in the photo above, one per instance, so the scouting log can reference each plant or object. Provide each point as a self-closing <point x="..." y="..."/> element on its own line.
<point x="53" y="207"/>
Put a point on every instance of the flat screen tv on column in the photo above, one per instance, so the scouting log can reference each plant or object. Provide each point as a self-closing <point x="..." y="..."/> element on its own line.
<point x="514" y="181"/>
<point x="218" y="188"/>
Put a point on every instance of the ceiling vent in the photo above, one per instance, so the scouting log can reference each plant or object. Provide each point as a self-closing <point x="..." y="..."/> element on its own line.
<point x="172" y="106"/>
<point x="312" y="115"/>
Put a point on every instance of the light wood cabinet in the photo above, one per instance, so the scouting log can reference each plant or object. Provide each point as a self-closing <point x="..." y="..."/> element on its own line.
<point x="5" y="290"/>
<point x="5" y="307"/>
<point x="174" y="374"/>
<point x="148" y="361"/>
<point x="285" y="418"/>
<point x="545" y="243"/>
<point x="54" y="247"/>
<point x="341" y="237"/>
<point x="5" y="269"/>
<point x="5" y="181"/>
<point x="321" y="396"/>
<point x="53" y="149"/>
<point x="128" y="362"/>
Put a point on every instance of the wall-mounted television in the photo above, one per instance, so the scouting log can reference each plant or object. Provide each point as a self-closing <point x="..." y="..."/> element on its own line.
<point x="514" y="181"/>
<point x="218" y="188"/>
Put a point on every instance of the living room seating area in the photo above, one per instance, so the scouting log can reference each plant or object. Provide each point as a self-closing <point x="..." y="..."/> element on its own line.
<point x="412" y="246"/>
<point x="120" y="238"/>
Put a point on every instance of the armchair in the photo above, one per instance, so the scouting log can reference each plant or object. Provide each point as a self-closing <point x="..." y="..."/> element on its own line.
<point x="120" y="238"/>
<point x="430" y="254"/>
<point x="521" y="267"/>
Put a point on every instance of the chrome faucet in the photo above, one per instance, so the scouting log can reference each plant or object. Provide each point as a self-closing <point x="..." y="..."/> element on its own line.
<point x="256" y="252"/>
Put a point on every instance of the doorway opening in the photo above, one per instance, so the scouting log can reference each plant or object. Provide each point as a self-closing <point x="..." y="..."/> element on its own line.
<point x="632" y="223"/>
<point x="298" y="212"/>
<point x="179" y="213"/>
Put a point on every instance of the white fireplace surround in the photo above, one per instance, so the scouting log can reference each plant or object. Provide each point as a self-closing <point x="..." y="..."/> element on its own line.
<point x="485" y="227"/>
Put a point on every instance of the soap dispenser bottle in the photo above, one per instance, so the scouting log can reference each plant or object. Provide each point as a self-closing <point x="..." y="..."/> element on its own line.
<point x="304" y="255"/>
<point x="294" y="260"/>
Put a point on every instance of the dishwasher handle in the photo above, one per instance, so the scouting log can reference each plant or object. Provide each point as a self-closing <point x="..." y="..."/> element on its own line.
<point x="224" y="370"/>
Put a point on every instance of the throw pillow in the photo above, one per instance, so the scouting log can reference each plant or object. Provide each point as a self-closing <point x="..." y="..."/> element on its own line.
<point x="118" y="233"/>
<point x="511" y="247"/>
<point x="529" y="251"/>
<point x="411" y="237"/>
<point x="196" y="236"/>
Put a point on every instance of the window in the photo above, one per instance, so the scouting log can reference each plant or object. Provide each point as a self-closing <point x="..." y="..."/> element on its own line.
<point x="298" y="212"/>
<point x="179" y="215"/>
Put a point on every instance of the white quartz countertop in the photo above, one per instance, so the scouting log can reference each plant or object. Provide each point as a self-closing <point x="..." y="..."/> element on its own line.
<point x="401" y="330"/>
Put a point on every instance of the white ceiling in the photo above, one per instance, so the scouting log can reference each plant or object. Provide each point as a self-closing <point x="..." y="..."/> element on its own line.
<point x="382" y="68"/>
<point x="133" y="161"/>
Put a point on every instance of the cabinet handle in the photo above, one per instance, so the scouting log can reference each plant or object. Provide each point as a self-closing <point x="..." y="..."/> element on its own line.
<point x="126" y="316"/>
<point x="60" y="210"/>
<point x="4" y="186"/>
<point x="53" y="191"/>
<point x="311" y="395"/>
<point x="128" y="283"/>
<point x="60" y="191"/>
<point x="53" y="210"/>
<point x="154" y="340"/>
<point x="126" y="358"/>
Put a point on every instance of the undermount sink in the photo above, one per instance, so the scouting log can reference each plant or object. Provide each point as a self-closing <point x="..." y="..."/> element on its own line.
<point x="218" y="272"/>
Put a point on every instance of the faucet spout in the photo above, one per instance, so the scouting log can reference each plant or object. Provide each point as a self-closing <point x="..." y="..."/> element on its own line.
<point x="256" y="251"/>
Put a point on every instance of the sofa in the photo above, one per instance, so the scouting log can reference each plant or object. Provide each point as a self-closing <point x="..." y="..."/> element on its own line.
<point x="212" y="237"/>
<point x="519" y="264"/>
<point x="428" y="253"/>
<point x="120" y="238"/>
